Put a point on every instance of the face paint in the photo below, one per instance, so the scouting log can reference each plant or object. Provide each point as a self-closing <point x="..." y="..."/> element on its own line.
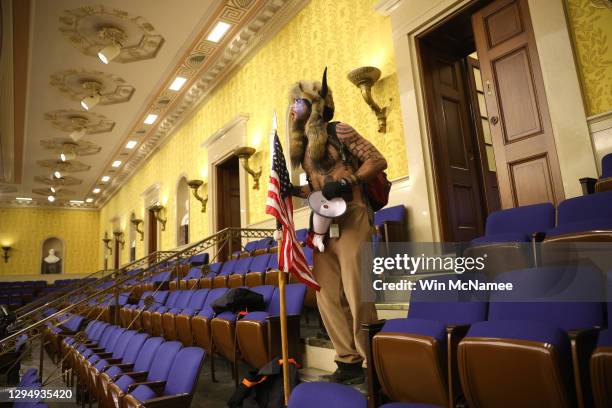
<point x="300" y="110"/>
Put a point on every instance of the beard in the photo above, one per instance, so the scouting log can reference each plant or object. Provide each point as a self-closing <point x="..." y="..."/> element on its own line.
<point x="307" y="135"/>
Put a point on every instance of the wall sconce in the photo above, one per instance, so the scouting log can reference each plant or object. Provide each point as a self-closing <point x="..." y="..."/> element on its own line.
<point x="6" y="250"/>
<point x="194" y="185"/>
<point x="136" y="222"/>
<point x="244" y="154"/>
<point x="119" y="238"/>
<point x="157" y="210"/>
<point x="107" y="241"/>
<point x="364" y="78"/>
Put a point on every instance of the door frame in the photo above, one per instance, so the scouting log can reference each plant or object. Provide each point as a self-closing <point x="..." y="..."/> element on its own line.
<point x="409" y="19"/>
<point x="220" y="146"/>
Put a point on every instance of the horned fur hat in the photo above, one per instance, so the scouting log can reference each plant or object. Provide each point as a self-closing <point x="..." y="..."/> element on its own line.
<point x="314" y="133"/>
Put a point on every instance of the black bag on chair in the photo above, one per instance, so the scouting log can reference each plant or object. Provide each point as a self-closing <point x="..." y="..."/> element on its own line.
<point x="237" y="300"/>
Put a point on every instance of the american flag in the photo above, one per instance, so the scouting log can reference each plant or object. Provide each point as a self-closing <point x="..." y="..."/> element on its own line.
<point x="279" y="204"/>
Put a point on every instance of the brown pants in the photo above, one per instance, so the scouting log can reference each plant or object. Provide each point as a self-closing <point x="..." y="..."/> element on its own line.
<point x="339" y="272"/>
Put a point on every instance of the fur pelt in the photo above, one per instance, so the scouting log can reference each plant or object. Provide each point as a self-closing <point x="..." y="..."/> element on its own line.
<point x="312" y="133"/>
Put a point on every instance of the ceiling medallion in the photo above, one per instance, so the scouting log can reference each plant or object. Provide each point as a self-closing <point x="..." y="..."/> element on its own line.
<point x="70" y="166"/>
<point x="92" y="28"/>
<point x="69" y="120"/>
<point x="73" y="84"/>
<point x="58" y="192"/>
<point x="58" y="182"/>
<point x="78" y="148"/>
<point x="602" y="3"/>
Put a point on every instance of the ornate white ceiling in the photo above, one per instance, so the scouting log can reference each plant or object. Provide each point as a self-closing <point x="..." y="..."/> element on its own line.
<point x="160" y="40"/>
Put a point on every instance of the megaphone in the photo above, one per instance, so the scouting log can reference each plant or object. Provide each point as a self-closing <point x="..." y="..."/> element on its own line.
<point x="324" y="210"/>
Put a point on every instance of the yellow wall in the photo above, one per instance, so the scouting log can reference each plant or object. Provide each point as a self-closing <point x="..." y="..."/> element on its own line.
<point x="339" y="34"/>
<point x="592" y="34"/>
<point x="25" y="230"/>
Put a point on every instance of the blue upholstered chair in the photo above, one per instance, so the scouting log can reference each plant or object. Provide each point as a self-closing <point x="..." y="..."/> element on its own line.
<point x="177" y="390"/>
<point x="533" y="339"/>
<point x="143" y="363"/>
<point x="257" y="270"/>
<point x="426" y="342"/>
<point x="164" y="358"/>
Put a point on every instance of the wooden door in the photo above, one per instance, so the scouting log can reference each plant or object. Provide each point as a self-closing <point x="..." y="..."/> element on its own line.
<point x="527" y="164"/>
<point x="452" y="145"/>
<point x="228" y="201"/>
<point x="484" y="141"/>
<point x="152" y="244"/>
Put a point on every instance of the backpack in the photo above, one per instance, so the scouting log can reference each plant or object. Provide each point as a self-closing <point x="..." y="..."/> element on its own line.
<point x="378" y="188"/>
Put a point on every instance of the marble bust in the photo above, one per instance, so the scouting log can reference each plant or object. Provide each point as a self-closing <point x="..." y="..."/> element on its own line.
<point x="51" y="263"/>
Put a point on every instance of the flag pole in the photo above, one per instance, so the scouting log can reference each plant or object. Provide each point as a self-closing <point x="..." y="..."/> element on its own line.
<point x="282" y="280"/>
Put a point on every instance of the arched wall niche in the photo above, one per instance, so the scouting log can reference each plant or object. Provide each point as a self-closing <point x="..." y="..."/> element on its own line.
<point x="52" y="256"/>
<point x="182" y="211"/>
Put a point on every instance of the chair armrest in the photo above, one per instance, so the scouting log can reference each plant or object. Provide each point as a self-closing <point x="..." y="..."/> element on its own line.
<point x="588" y="185"/>
<point x="137" y="375"/>
<point x="97" y="350"/>
<point x="583" y="342"/>
<point x="104" y="355"/>
<point x="374" y="391"/>
<point x="155" y="385"/>
<point x="126" y="366"/>
<point x="454" y="334"/>
<point x="112" y="361"/>
<point x="169" y="401"/>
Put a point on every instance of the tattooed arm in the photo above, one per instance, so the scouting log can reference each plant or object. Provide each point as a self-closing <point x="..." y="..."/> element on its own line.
<point x="372" y="162"/>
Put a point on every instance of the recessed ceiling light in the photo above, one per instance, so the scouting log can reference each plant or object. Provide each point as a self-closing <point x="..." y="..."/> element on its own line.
<point x="57" y="174"/>
<point x="218" y="32"/>
<point x="105" y="178"/>
<point x="63" y="157"/>
<point x="23" y="199"/>
<point x="77" y="201"/>
<point x="109" y="53"/>
<point x="178" y="83"/>
<point x="116" y="163"/>
<point x="131" y="144"/>
<point x="150" y="119"/>
<point x="96" y="190"/>
<point x="51" y="199"/>
<point x="90" y="101"/>
<point x="53" y="190"/>
<point x="89" y="200"/>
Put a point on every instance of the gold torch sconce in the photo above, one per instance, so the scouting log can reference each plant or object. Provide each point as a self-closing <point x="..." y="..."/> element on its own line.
<point x="159" y="211"/>
<point x="136" y="223"/>
<point x="364" y="78"/>
<point x="244" y="154"/>
<point x="194" y="185"/>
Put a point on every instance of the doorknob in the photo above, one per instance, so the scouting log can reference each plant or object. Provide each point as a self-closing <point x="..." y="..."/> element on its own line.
<point x="494" y="120"/>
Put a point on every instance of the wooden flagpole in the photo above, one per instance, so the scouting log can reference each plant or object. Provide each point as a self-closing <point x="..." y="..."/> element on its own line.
<point x="283" y="324"/>
<point x="282" y="295"/>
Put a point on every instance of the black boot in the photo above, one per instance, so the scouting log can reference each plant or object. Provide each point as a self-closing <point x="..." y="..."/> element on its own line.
<point x="347" y="373"/>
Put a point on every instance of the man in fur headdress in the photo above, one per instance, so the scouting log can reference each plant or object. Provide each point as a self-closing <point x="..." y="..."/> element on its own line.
<point x="337" y="160"/>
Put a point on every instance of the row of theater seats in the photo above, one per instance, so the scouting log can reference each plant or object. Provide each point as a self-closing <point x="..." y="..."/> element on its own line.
<point x="604" y="182"/>
<point x="123" y="368"/>
<point x="19" y="293"/>
<point x="543" y="345"/>
<point x="573" y="216"/>
<point x="188" y="316"/>
<point x="538" y="234"/>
